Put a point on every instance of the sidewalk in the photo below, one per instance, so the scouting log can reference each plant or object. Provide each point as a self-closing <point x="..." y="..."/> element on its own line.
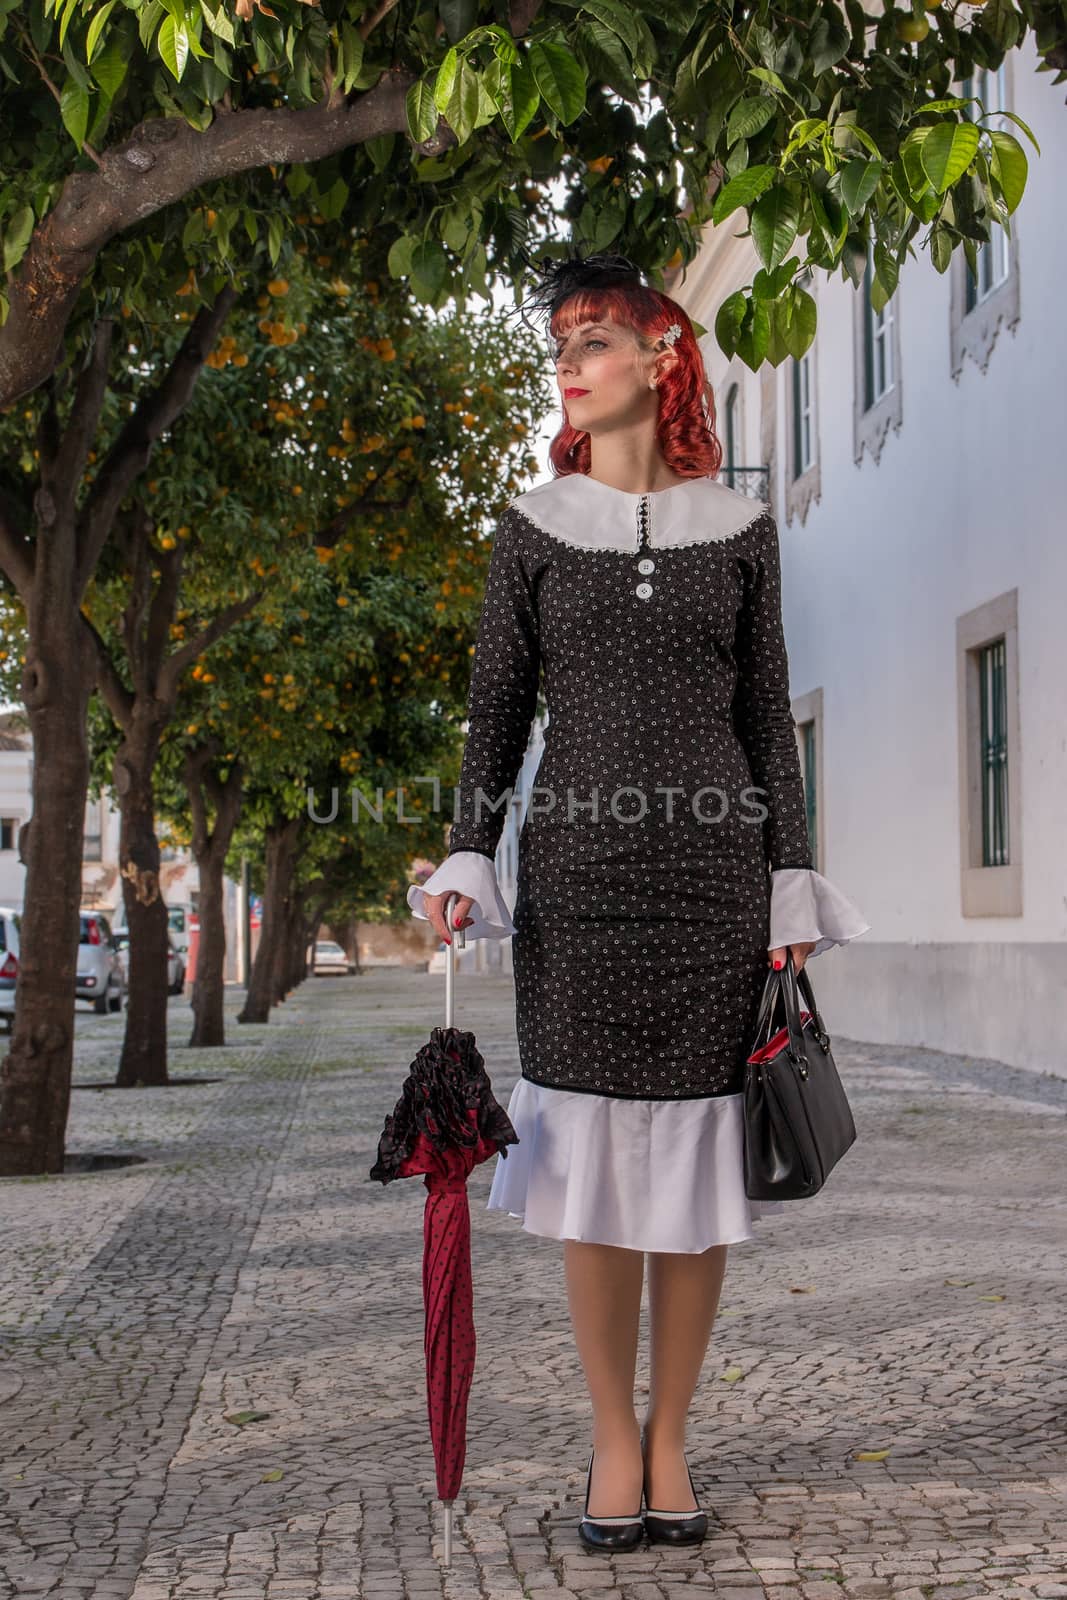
<point x="250" y="1265"/>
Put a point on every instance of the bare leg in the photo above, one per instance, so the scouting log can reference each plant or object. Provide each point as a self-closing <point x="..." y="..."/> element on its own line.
<point x="604" y="1290"/>
<point x="683" y="1292"/>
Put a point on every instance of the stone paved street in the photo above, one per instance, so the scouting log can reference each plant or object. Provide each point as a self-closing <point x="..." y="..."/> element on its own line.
<point x="918" y="1305"/>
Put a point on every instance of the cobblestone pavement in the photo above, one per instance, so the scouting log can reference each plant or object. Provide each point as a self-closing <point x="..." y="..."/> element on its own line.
<point x="918" y="1305"/>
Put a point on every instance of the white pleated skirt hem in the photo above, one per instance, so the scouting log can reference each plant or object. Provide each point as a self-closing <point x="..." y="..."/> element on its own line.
<point x="661" y="1175"/>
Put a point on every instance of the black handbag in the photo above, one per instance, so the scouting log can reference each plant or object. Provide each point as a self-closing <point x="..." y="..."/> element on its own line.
<point x="798" y="1122"/>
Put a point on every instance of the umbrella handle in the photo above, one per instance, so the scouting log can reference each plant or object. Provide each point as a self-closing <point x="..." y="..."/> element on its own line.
<point x="448" y="1504"/>
<point x="459" y="934"/>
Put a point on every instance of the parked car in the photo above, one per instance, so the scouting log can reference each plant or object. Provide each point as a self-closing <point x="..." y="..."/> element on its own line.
<point x="175" y="964"/>
<point x="175" y="960"/>
<point x="9" y="964"/>
<point x="100" y="975"/>
<point x="328" y="959"/>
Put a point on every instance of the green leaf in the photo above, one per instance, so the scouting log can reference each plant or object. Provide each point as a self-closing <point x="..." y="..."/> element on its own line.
<point x="275" y="235"/>
<point x="446" y="77"/>
<point x="742" y="191"/>
<point x="422" y="111"/>
<point x="461" y="112"/>
<point x="799" y="329"/>
<point x="17" y="236"/>
<point x="619" y="19"/>
<point x="728" y="320"/>
<point x="1021" y="124"/>
<point x="399" y="258"/>
<point x="429" y="270"/>
<point x="74" y="109"/>
<point x="940" y="248"/>
<point x="173" y="42"/>
<point x="218" y="22"/>
<point x="66" y="14"/>
<point x="859" y="180"/>
<point x="947" y="152"/>
<point x="774" y="225"/>
<point x="148" y="21"/>
<point x="748" y="116"/>
<point x="1009" y="166"/>
<point x="111" y="65"/>
<point x="96" y="27"/>
<point x="525" y="100"/>
<point x="559" y="78"/>
<point x="353" y="45"/>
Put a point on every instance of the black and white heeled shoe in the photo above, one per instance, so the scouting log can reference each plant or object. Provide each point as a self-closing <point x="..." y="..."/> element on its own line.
<point x="609" y="1533"/>
<point x="673" y="1527"/>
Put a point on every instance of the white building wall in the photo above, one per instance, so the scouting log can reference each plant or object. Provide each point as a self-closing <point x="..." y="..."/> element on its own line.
<point x="963" y="505"/>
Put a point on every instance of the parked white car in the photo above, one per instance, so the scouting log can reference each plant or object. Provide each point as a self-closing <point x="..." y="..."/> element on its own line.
<point x="175" y="960"/>
<point x="100" y="976"/>
<point x="328" y="959"/>
<point x="9" y="964"/>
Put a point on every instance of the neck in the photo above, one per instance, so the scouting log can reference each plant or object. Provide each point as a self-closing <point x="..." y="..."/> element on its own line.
<point x="630" y="459"/>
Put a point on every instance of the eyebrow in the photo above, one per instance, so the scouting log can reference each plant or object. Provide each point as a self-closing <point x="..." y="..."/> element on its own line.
<point x="583" y="327"/>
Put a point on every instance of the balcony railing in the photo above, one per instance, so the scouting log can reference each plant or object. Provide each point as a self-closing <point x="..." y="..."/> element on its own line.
<point x="747" y="480"/>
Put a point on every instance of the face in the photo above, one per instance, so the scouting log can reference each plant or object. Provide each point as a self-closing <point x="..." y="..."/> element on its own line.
<point x="603" y="376"/>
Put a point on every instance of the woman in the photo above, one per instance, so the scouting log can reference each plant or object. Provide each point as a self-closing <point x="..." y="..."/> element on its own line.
<point x="664" y="860"/>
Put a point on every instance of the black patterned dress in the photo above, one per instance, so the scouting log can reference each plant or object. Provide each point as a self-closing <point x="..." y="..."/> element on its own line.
<point x="666" y="819"/>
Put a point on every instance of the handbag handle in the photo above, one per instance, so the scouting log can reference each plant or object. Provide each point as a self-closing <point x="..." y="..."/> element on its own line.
<point x="785" y="982"/>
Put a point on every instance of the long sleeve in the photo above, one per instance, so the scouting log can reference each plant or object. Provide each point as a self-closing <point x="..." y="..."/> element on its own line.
<point x="500" y="709"/>
<point x="807" y="908"/>
<point x="763" y="717"/>
<point x="502" y="699"/>
<point x="470" y="873"/>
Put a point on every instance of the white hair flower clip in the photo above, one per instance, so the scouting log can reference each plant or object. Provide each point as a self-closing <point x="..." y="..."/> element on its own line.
<point x="672" y="333"/>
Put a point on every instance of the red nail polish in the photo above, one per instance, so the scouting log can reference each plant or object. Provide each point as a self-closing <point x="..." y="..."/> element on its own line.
<point x="778" y="965"/>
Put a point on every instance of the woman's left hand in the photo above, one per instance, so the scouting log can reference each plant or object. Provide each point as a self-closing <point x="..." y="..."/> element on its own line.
<point x="799" y="952"/>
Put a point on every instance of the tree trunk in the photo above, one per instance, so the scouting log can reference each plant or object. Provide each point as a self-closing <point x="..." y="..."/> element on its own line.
<point x="144" y="1049"/>
<point x="210" y="847"/>
<point x="209" y="988"/>
<point x="282" y="847"/>
<point x="35" y="1075"/>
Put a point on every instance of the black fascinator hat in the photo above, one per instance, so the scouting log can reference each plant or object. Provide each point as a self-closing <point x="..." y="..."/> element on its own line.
<point x="558" y="279"/>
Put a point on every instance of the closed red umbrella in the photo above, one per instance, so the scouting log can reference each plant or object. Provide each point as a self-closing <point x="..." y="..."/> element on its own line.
<point x="446" y="1121"/>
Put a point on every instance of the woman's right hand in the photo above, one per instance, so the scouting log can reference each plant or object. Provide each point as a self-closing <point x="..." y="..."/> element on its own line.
<point x="435" y="908"/>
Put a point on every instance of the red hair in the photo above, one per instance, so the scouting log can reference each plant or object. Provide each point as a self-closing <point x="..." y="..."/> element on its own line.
<point x="685" y="425"/>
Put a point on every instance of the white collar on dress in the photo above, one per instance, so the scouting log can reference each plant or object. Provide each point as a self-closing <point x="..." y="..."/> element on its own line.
<point x="592" y="515"/>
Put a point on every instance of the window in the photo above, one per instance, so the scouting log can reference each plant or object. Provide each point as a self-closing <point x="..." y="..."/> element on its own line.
<point x="993" y="754"/>
<point x="981" y="303"/>
<point x="803" y="479"/>
<point x="93" y="842"/>
<point x="877" y="402"/>
<point x="987" y="644"/>
<point x="994" y="261"/>
<point x="878" y="370"/>
<point x="803" y="406"/>
<point x="807" y="715"/>
<point x="733" y="434"/>
<point x="9" y="833"/>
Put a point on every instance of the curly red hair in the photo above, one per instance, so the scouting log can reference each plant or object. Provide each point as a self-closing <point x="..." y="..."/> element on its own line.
<point x="685" y="425"/>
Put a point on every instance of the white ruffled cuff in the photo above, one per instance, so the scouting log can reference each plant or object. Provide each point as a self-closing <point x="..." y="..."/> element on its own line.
<point x="470" y="873"/>
<point x="805" y="906"/>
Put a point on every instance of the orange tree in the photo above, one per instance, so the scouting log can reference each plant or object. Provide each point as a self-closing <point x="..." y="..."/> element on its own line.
<point x="150" y="145"/>
<point x="320" y="443"/>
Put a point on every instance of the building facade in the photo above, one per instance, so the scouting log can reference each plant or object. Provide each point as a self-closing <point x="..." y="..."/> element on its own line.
<point x="911" y="460"/>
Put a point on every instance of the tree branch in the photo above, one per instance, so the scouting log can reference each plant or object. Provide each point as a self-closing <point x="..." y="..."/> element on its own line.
<point x="16" y="552"/>
<point x="161" y="610"/>
<point x="154" y="414"/>
<point x="89" y="393"/>
<point x="175" y="665"/>
<point x="329" y="535"/>
<point x="161" y="162"/>
<point x="118" y="699"/>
